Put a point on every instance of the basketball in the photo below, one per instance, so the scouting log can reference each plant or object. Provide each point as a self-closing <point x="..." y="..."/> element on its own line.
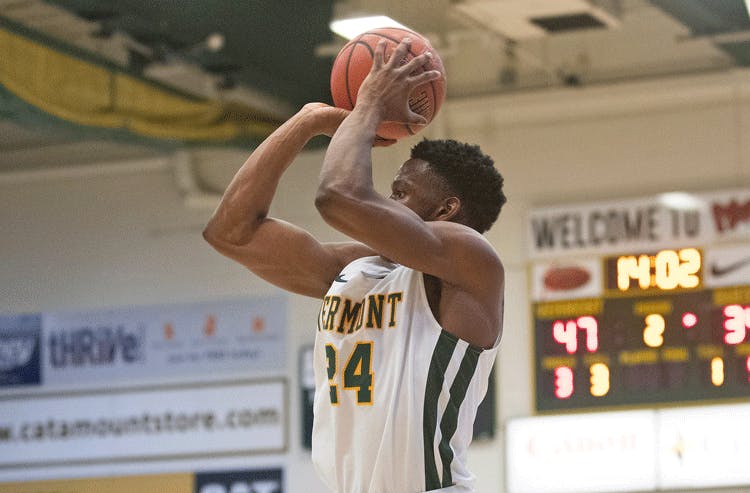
<point x="353" y="63"/>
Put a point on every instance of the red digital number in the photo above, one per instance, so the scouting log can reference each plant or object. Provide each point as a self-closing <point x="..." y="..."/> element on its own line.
<point x="566" y="333"/>
<point x="590" y="325"/>
<point x="736" y="323"/>
<point x="563" y="382"/>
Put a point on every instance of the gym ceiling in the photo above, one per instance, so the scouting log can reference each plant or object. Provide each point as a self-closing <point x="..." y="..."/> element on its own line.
<point x="253" y="62"/>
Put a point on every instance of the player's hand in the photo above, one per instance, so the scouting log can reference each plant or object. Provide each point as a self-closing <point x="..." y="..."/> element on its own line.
<point x="387" y="87"/>
<point x="324" y="118"/>
<point x="327" y="119"/>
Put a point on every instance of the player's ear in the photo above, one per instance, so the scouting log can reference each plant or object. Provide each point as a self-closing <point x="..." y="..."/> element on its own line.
<point x="448" y="209"/>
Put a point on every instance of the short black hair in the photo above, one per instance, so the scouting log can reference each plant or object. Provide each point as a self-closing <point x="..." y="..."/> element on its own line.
<point x="470" y="174"/>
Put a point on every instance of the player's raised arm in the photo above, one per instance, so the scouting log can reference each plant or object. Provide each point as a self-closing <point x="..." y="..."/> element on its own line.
<point x="279" y="252"/>
<point x="423" y="227"/>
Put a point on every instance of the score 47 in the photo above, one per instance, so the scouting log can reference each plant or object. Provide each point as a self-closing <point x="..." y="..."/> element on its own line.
<point x="566" y="332"/>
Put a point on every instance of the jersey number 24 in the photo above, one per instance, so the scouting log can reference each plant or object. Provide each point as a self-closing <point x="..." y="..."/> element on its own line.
<point x="357" y="374"/>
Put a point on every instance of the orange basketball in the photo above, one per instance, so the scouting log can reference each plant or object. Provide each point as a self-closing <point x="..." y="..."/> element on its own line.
<point x="354" y="61"/>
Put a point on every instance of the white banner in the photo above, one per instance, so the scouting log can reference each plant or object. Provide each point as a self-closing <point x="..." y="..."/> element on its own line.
<point x="641" y="224"/>
<point x="582" y="453"/>
<point x="145" y="345"/>
<point x="160" y="423"/>
<point x="667" y="449"/>
<point x="704" y="447"/>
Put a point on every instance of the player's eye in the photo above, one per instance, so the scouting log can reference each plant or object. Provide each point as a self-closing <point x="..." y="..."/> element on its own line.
<point x="397" y="194"/>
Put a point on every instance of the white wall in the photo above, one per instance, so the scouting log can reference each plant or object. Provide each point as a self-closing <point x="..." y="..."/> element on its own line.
<point x="86" y="240"/>
<point x="597" y="144"/>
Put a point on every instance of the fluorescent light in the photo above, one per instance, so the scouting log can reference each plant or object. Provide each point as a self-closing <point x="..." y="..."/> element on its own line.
<point x="350" y="28"/>
<point x="680" y="201"/>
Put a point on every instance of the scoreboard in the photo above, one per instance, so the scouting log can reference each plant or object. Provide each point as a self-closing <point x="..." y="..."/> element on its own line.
<point x="655" y="316"/>
<point x="656" y="335"/>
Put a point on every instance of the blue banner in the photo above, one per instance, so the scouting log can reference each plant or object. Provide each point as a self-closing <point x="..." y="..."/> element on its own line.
<point x="247" y="480"/>
<point x="20" y="337"/>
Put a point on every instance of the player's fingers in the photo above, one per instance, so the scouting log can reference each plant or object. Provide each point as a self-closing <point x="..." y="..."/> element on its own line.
<point x="428" y="76"/>
<point x="379" y="56"/>
<point x="400" y="52"/>
<point x="417" y="62"/>
<point x="416" y="119"/>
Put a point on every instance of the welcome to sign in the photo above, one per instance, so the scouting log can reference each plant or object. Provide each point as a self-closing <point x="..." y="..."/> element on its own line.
<point x="639" y="224"/>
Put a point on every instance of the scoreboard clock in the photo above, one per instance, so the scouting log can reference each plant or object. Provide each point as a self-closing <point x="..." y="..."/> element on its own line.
<point x="650" y="318"/>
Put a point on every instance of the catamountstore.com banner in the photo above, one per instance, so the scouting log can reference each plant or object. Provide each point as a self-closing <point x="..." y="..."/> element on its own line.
<point x="247" y="418"/>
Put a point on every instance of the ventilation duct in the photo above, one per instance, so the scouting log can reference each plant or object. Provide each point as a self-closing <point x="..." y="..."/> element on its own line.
<point x="524" y="19"/>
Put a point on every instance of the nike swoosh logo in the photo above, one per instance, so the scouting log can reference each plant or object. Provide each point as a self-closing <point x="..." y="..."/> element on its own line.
<point x="719" y="271"/>
<point x="340" y="278"/>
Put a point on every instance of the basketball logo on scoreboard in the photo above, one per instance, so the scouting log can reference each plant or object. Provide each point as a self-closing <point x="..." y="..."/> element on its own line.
<point x="574" y="279"/>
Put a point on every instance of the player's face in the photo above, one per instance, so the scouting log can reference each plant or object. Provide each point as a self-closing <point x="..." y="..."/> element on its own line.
<point x="417" y="187"/>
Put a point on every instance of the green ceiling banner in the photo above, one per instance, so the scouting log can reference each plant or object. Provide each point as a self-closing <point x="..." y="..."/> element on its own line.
<point x="99" y="95"/>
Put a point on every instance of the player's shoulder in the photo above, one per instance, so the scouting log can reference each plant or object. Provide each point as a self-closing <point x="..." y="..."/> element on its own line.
<point x="474" y="266"/>
<point x="462" y="239"/>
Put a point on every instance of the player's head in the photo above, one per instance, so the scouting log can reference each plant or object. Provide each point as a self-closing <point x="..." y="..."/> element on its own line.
<point x="456" y="182"/>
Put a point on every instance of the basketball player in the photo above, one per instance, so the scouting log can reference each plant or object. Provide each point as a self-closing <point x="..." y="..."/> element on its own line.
<point x="412" y="310"/>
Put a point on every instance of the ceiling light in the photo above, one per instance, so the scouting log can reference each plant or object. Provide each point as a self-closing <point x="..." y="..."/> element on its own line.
<point x="680" y="201"/>
<point x="349" y="28"/>
<point x="215" y="42"/>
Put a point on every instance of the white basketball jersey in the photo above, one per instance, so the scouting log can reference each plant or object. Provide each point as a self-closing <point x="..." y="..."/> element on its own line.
<point x="396" y="395"/>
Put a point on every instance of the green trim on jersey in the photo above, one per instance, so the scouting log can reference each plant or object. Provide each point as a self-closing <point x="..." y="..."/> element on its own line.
<point x="441" y="357"/>
<point x="449" y="423"/>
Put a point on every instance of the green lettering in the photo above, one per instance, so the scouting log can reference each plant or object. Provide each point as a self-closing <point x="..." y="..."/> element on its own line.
<point x="349" y="316"/>
<point x="358" y="325"/>
<point x="375" y="311"/>
<point x="322" y="314"/>
<point x="394" y="299"/>
<point x="335" y="302"/>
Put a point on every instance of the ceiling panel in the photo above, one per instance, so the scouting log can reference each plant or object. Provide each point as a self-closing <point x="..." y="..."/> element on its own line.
<point x="706" y="17"/>
<point x="268" y="44"/>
